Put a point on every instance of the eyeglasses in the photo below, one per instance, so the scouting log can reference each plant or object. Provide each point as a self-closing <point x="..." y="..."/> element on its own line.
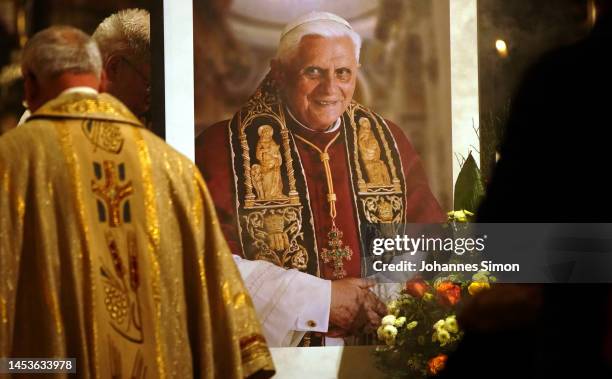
<point x="139" y="73"/>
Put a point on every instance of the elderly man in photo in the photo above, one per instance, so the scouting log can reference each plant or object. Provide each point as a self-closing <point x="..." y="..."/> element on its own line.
<point x="110" y="249"/>
<point x="302" y="252"/>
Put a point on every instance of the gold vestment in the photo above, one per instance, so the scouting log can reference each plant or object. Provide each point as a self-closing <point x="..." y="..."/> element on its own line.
<point x="111" y="252"/>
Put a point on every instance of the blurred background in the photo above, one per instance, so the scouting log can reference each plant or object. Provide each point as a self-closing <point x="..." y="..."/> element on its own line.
<point x="512" y="35"/>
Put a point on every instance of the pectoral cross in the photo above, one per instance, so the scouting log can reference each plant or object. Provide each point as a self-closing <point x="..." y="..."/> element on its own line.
<point x="337" y="252"/>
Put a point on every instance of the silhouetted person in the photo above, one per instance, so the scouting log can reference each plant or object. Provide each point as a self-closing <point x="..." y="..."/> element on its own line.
<point x="553" y="168"/>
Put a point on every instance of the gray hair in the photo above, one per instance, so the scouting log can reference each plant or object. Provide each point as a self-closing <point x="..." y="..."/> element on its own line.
<point x="289" y="42"/>
<point x="60" y="49"/>
<point x="126" y="33"/>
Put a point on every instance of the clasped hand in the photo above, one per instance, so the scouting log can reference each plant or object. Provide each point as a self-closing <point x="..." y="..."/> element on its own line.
<point x="354" y="308"/>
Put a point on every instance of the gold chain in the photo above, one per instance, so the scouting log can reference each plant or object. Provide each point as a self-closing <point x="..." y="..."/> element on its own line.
<point x="324" y="156"/>
<point x="337" y="252"/>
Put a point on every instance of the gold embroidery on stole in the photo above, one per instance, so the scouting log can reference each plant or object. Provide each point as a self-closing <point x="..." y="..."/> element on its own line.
<point x="274" y="220"/>
<point x="382" y="195"/>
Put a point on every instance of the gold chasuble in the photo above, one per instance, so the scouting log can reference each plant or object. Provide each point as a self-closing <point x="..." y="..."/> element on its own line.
<point x="111" y="252"/>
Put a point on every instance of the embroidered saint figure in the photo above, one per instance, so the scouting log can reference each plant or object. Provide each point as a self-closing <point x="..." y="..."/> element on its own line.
<point x="369" y="150"/>
<point x="266" y="175"/>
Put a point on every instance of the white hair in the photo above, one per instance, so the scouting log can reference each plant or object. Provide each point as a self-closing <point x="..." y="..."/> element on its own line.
<point x="60" y="49"/>
<point x="126" y="33"/>
<point x="290" y="42"/>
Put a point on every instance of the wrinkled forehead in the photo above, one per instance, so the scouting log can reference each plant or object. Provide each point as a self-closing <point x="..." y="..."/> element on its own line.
<point x="315" y="47"/>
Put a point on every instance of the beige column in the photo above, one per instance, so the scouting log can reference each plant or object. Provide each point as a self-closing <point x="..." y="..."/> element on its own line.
<point x="464" y="81"/>
<point x="178" y="71"/>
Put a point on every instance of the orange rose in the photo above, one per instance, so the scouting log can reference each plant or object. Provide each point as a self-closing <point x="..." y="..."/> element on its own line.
<point x="449" y="293"/>
<point x="436" y="364"/>
<point x="416" y="287"/>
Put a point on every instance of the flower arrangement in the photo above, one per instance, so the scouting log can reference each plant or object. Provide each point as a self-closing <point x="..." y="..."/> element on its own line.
<point x="421" y="327"/>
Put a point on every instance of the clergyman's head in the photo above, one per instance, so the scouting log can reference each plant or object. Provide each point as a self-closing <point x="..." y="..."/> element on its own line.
<point x="124" y="39"/>
<point x="58" y="58"/>
<point x="316" y="68"/>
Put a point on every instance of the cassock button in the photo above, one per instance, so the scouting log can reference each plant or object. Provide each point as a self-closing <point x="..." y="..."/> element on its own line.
<point x="311" y="324"/>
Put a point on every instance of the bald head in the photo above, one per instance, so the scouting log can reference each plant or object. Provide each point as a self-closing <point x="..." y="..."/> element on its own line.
<point x="58" y="58"/>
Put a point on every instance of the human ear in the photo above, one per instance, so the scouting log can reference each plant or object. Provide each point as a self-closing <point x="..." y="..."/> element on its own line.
<point x="30" y="87"/>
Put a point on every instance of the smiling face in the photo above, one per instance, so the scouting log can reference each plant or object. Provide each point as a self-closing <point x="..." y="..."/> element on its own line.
<point x="319" y="81"/>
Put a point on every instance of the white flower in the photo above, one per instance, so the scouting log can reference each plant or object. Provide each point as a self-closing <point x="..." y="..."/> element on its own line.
<point x="450" y="324"/>
<point x="386" y="333"/>
<point x="389" y="331"/>
<point x="439" y="325"/>
<point x="441" y="336"/>
<point x="388" y="320"/>
<point x="411" y="325"/>
<point x="399" y="322"/>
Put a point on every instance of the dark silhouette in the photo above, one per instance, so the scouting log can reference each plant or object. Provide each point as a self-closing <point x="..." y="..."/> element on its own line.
<point x="553" y="168"/>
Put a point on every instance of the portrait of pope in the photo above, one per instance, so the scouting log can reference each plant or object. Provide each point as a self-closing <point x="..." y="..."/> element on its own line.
<point x="334" y="156"/>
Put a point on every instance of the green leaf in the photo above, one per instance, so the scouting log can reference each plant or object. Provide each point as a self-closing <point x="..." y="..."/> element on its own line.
<point x="469" y="189"/>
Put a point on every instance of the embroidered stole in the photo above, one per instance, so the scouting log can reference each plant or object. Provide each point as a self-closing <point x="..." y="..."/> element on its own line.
<point x="275" y="219"/>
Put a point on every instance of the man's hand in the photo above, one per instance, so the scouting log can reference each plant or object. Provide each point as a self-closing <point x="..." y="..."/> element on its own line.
<point x="374" y="310"/>
<point x="353" y="306"/>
